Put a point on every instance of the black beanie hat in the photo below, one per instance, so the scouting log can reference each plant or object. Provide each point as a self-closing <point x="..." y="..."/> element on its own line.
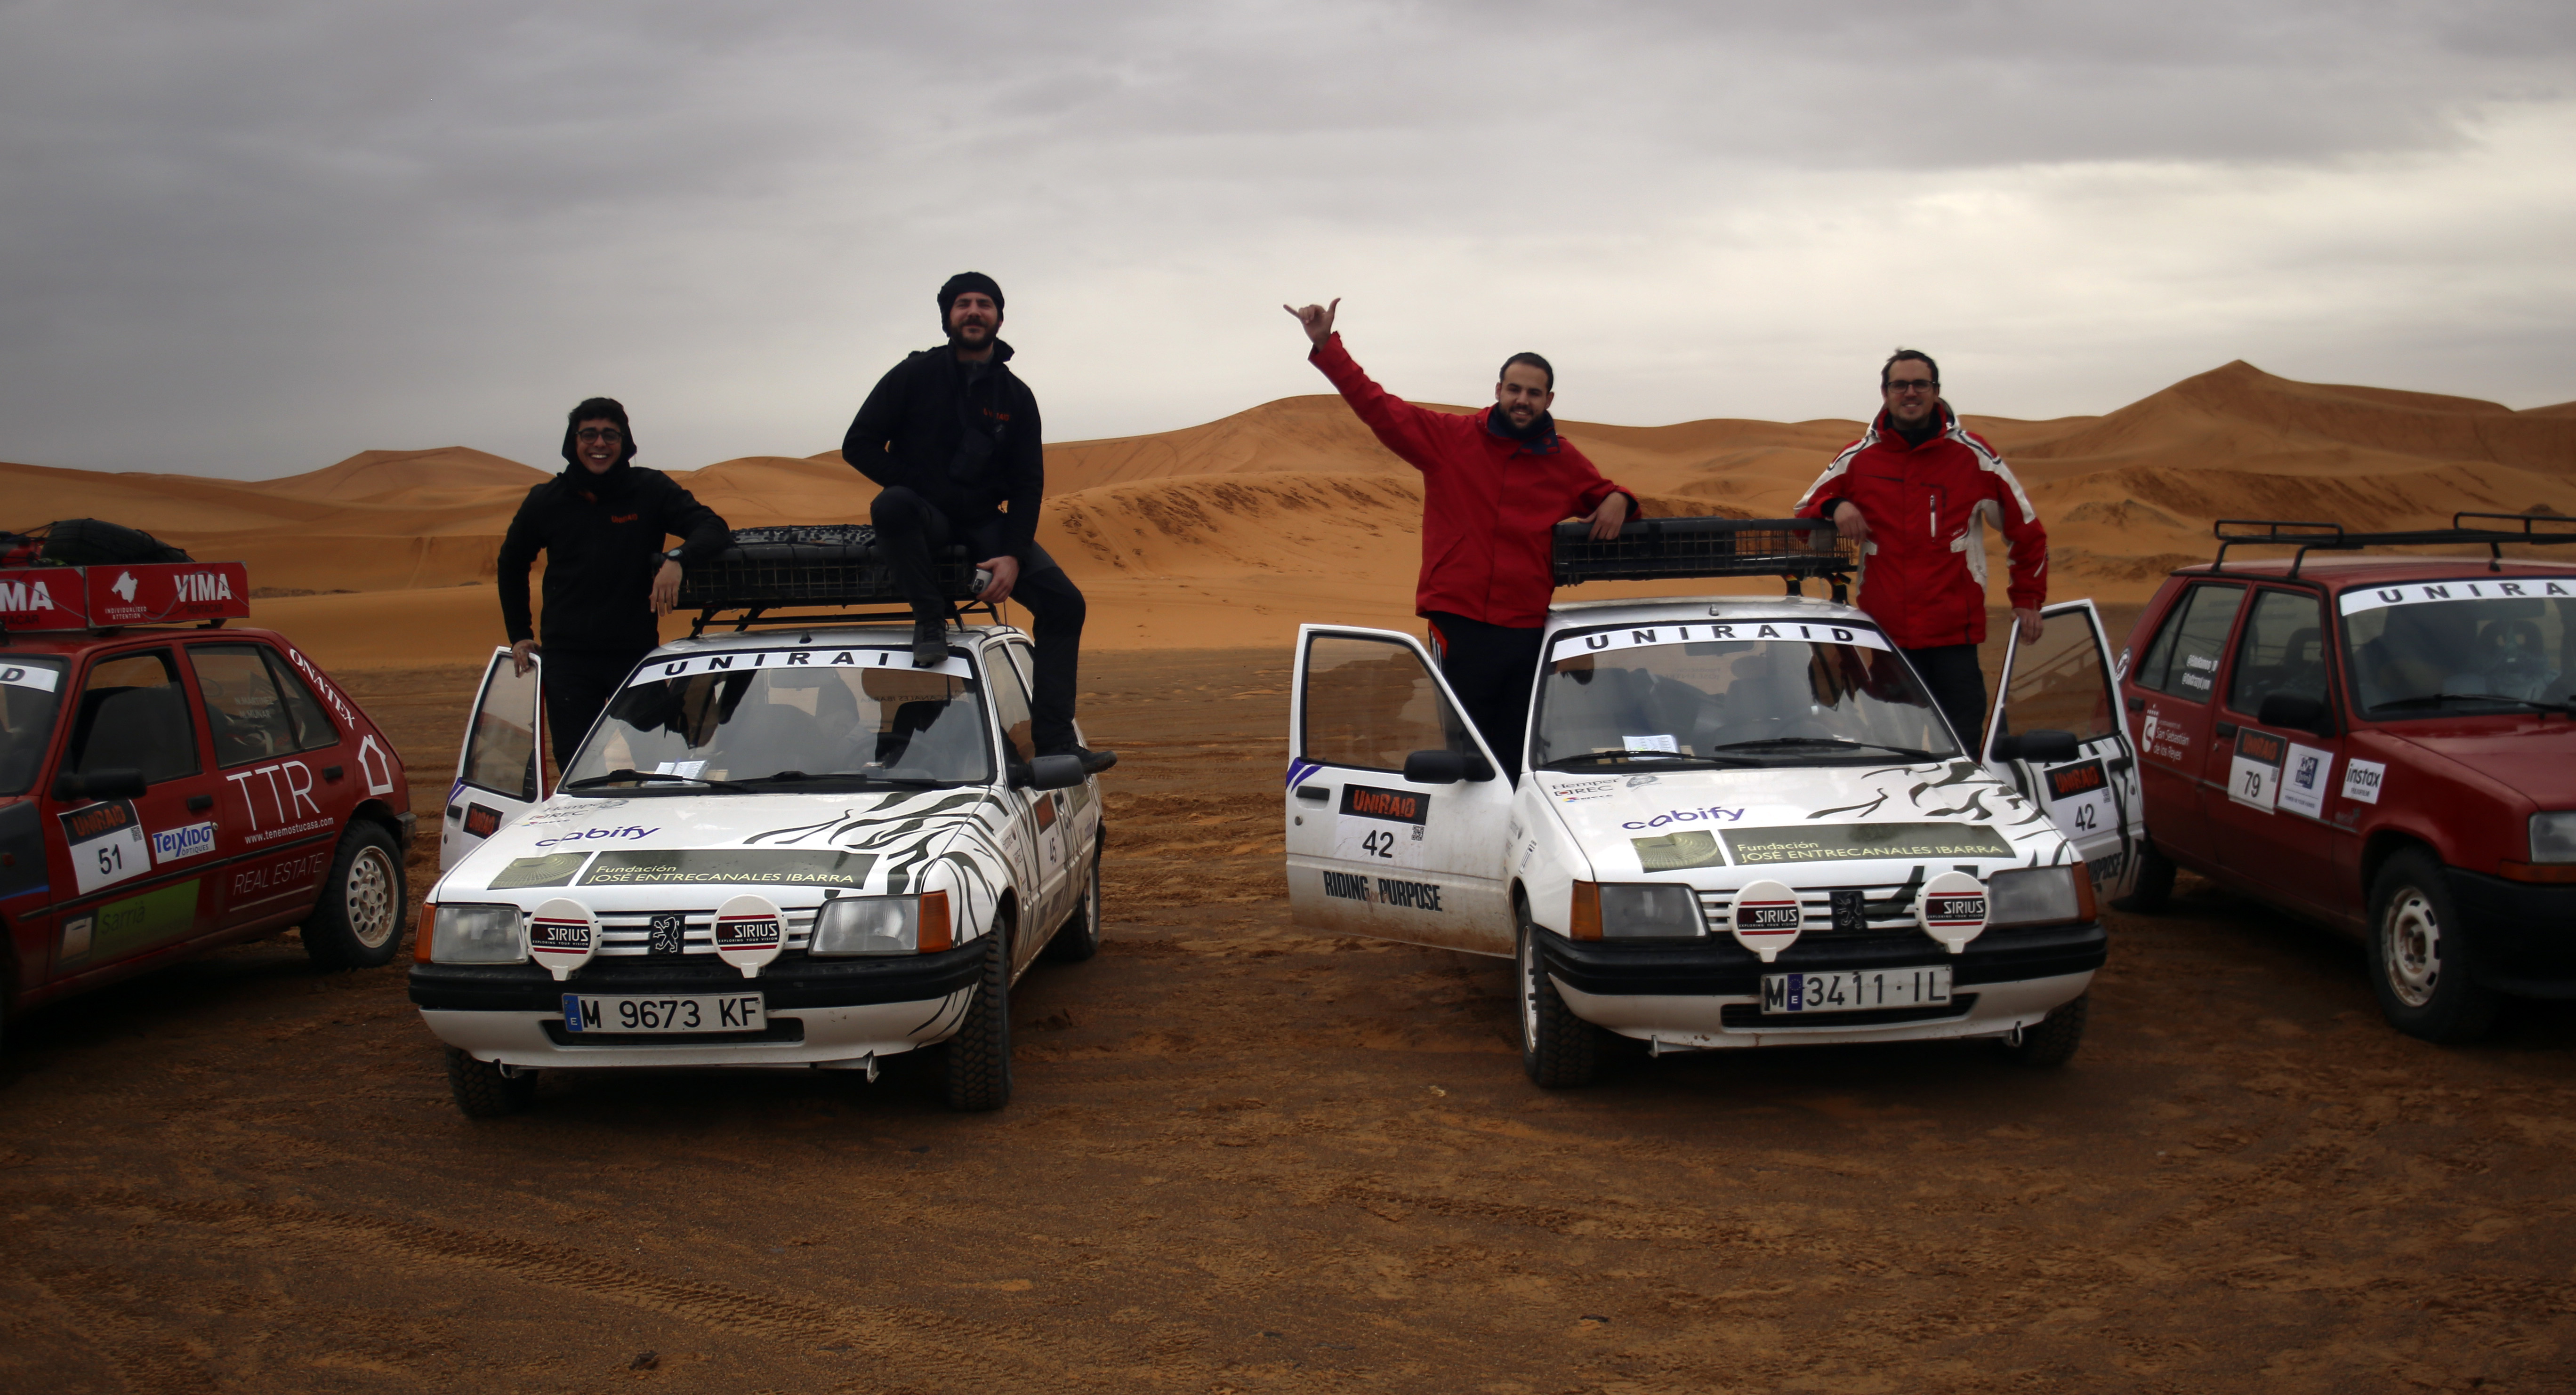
<point x="963" y="282"/>
<point x="599" y="409"/>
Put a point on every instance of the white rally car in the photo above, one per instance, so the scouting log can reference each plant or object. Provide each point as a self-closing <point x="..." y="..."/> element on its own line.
<point x="784" y="849"/>
<point x="1741" y="823"/>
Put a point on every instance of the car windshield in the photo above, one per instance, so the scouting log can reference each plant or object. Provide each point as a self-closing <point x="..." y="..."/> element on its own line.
<point x="1741" y="694"/>
<point x="818" y="724"/>
<point x="2423" y="649"/>
<point x="30" y="693"/>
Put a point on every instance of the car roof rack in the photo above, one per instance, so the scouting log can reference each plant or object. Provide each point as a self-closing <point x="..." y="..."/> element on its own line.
<point x="837" y="565"/>
<point x="2310" y="537"/>
<point x="1657" y="549"/>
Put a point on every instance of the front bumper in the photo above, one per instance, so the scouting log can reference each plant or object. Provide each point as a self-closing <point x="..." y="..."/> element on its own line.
<point x="1707" y="993"/>
<point x="820" y="1011"/>
<point x="2522" y="936"/>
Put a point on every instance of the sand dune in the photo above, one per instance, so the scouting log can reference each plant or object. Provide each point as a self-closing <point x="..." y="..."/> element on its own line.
<point x="1230" y="532"/>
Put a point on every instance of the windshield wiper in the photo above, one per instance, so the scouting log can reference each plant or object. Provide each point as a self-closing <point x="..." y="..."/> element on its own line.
<point x="623" y="776"/>
<point x="908" y="781"/>
<point x="2563" y="709"/>
<point x="1831" y="743"/>
<point x="1627" y="757"/>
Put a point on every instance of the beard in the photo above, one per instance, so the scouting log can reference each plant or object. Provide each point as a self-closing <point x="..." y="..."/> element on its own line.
<point x="982" y="335"/>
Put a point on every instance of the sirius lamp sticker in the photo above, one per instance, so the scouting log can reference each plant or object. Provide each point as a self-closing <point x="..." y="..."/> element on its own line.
<point x="750" y="931"/>
<point x="562" y="936"/>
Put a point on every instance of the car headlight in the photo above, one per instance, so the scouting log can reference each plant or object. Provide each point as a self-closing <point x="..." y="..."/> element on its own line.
<point x="1648" y="911"/>
<point x="2553" y="837"/>
<point x="2039" y="895"/>
<point x="881" y="925"/>
<point x="477" y="935"/>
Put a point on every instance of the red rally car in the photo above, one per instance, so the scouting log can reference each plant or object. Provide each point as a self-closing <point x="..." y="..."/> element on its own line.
<point x="2383" y="743"/>
<point x="168" y="785"/>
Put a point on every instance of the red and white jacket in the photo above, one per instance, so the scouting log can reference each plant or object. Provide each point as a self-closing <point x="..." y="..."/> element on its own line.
<point x="1924" y="578"/>
<point x="1489" y="503"/>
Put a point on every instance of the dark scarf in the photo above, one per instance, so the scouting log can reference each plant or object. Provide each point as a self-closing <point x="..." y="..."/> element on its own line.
<point x="1539" y="435"/>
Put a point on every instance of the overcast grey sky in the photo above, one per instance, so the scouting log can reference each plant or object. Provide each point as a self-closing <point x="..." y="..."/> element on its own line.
<point x="249" y="238"/>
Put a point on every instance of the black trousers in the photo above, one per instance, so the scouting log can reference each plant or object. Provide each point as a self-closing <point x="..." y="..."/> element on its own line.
<point x="910" y="528"/>
<point x="1958" y="688"/>
<point x="1490" y="668"/>
<point x="579" y="686"/>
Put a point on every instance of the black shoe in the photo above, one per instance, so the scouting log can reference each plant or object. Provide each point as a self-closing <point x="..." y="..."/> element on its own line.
<point x="1093" y="762"/>
<point x="929" y="644"/>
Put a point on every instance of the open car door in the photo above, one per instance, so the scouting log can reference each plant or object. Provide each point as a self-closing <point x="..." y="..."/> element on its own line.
<point x="501" y="771"/>
<point x="1372" y="851"/>
<point x="2065" y="681"/>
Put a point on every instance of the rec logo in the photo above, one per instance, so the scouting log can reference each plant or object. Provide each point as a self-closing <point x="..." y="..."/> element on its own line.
<point x="1394" y="806"/>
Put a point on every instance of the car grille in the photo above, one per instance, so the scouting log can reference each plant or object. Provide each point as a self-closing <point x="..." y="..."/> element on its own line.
<point x="1886" y="909"/>
<point x="631" y="932"/>
<point x="1741" y="1016"/>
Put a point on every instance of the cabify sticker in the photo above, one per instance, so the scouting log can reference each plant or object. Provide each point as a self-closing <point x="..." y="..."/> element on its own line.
<point x="1738" y="631"/>
<point x="739" y="866"/>
<point x="1756" y="847"/>
<point x="752" y="661"/>
<point x="2363" y="598"/>
<point x="2254" y="776"/>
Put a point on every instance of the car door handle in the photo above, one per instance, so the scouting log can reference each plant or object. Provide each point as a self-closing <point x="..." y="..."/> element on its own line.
<point x="1314" y="792"/>
<point x="332" y="772"/>
<point x="2225" y="729"/>
<point x="2136" y="703"/>
<point x="200" y="803"/>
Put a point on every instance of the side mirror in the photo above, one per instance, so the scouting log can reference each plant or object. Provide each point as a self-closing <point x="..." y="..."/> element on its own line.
<point x="1047" y="773"/>
<point x="119" y="783"/>
<point x="1446" y="767"/>
<point x="2292" y="710"/>
<point x="2043" y="746"/>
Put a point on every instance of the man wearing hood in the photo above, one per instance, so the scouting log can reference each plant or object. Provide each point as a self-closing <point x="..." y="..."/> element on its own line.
<point x="951" y="436"/>
<point x="1494" y="485"/>
<point x="601" y="524"/>
<point x="1915" y="493"/>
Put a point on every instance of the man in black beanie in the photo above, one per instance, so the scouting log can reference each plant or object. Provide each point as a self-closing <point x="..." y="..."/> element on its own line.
<point x="952" y="436"/>
<point x="601" y="524"/>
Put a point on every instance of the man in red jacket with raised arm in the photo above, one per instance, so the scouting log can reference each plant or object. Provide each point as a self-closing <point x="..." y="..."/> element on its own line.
<point x="1494" y="485"/>
<point x="1915" y="492"/>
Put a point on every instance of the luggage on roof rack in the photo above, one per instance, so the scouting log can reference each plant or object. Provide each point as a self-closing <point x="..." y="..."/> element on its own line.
<point x="1653" y="549"/>
<point x="2309" y="536"/>
<point x="812" y="564"/>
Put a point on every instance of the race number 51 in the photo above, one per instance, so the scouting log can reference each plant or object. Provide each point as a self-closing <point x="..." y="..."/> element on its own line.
<point x="107" y="844"/>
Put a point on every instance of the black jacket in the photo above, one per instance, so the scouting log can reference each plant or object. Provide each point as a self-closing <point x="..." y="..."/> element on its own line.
<point x="602" y="536"/>
<point x="911" y="426"/>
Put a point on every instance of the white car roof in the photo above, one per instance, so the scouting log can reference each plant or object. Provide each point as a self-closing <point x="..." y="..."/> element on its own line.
<point x="897" y="633"/>
<point x="1668" y="609"/>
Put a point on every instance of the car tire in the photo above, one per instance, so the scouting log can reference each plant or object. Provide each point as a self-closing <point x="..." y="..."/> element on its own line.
<point x="975" y="1064"/>
<point x="1079" y="938"/>
<point x="1558" y="1049"/>
<point x="358" y="922"/>
<point x="484" y="1091"/>
<point x="2052" y="1042"/>
<point x="2153" y="890"/>
<point x="2421" y="963"/>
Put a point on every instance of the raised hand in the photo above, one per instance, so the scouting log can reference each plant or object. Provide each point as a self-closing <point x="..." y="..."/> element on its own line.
<point x="1317" y="319"/>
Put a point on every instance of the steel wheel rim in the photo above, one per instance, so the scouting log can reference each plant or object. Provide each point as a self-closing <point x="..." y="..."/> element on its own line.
<point x="1091" y="904"/>
<point x="1529" y="991"/>
<point x="2410" y="943"/>
<point x="370" y="903"/>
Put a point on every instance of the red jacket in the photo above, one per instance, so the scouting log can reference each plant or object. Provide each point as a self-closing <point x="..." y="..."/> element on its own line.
<point x="1924" y="580"/>
<point x="1488" y="501"/>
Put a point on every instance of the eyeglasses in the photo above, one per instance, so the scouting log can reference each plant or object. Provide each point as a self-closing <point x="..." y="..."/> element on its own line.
<point x="1913" y="385"/>
<point x="598" y="433"/>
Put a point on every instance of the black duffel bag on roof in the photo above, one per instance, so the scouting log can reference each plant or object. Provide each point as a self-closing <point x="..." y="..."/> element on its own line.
<point x="812" y="564"/>
<point x="93" y="542"/>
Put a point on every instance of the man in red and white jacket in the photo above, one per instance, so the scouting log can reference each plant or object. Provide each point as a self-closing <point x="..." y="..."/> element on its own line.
<point x="1914" y="493"/>
<point x="1495" y="484"/>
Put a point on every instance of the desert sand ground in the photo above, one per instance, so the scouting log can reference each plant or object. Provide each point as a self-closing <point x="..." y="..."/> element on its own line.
<point x="1245" y="1158"/>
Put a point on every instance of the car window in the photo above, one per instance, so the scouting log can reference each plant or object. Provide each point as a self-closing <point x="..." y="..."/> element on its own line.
<point x="2282" y="651"/>
<point x="2059" y="684"/>
<point x="313" y="729"/>
<point x="134" y="716"/>
<point x="1011" y="704"/>
<point x="2426" y="648"/>
<point x="811" y="723"/>
<point x="1647" y="695"/>
<point x="1372" y="702"/>
<point x="2184" y="658"/>
<point x="501" y="750"/>
<point x="30" y="694"/>
<point x="246" y="714"/>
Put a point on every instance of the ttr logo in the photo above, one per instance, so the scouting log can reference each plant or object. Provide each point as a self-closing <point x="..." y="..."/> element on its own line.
<point x="287" y="803"/>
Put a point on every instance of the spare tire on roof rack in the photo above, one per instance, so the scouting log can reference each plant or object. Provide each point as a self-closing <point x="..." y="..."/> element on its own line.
<point x="1655" y="549"/>
<point x="813" y="564"/>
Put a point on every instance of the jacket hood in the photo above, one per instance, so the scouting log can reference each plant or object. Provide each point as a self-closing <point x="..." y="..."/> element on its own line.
<point x="609" y="481"/>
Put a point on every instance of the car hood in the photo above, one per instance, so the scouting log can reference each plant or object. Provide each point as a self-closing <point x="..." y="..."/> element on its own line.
<point x="2530" y="758"/>
<point x="871" y="842"/>
<point x="1943" y="813"/>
